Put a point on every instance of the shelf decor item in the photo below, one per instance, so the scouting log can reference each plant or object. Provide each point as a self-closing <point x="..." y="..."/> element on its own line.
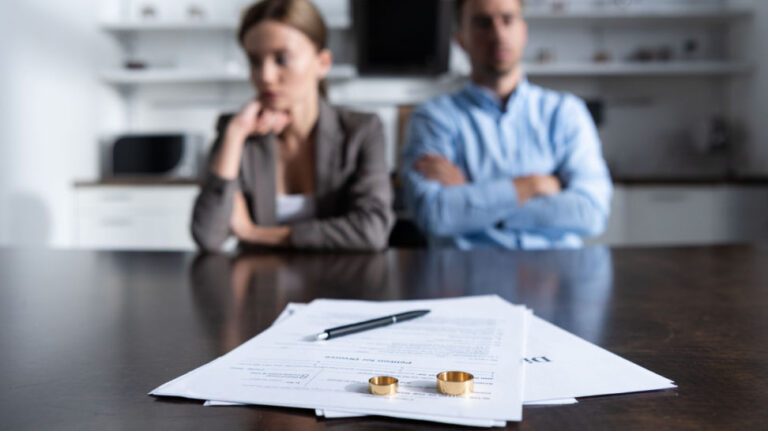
<point x="148" y="12"/>
<point x="602" y="56"/>
<point x="545" y="56"/>
<point x="691" y="49"/>
<point x="195" y="12"/>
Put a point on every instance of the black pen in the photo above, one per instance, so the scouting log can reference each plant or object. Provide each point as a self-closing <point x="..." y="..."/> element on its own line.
<point x="369" y="324"/>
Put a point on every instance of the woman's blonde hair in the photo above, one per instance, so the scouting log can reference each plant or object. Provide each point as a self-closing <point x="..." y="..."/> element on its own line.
<point x="299" y="14"/>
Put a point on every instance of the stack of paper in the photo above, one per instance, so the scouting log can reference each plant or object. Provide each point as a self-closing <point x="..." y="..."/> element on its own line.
<point x="516" y="358"/>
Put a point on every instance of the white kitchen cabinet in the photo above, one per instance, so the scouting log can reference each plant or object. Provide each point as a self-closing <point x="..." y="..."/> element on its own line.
<point x="668" y="215"/>
<point x="135" y="217"/>
<point x="676" y="215"/>
<point x="157" y="217"/>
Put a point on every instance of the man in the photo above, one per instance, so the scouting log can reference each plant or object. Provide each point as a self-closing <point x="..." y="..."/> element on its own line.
<point x="503" y="162"/>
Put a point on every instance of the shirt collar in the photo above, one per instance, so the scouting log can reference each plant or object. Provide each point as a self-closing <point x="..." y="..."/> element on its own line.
<point x="486" y="98"/>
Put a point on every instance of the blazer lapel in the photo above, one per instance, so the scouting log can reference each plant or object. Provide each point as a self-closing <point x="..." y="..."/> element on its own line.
<point x="264" y="190"/>
<point x="329" y="138"/>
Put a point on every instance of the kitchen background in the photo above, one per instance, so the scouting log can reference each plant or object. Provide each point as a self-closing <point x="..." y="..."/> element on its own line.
<point x="677" y="87"/>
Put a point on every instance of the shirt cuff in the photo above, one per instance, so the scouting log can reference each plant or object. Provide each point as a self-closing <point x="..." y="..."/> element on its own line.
<point x="504" y="195"/>
<point x="501" y="192"/>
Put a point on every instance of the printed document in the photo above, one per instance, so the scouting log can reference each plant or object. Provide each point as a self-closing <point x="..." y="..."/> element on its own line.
<point x="559" y="366"/>
<point x="284" y="366"/>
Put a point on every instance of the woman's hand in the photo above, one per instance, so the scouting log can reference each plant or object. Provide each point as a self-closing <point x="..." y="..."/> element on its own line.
<point x="254" y="119"/>
<point x="245" y="230"/>
<point x="241" y="224"/>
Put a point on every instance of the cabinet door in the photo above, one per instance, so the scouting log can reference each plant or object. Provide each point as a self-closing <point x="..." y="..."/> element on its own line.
<point x="137" y="198"/>
<point x="146" y="217"/>
<point x="748" y="213"/>
<point x="134" y="232"/>
<point x="677" y="215"/>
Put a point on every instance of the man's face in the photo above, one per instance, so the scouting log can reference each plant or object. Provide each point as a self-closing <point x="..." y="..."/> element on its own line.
<point x="493" y="34"/>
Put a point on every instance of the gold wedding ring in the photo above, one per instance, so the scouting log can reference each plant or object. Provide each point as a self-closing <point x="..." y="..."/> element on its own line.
<point x="455" y="383"/>
<point x="382" y="385"/>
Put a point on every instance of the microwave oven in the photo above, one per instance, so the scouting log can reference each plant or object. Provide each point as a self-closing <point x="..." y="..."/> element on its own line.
<point x="162" y="155"/>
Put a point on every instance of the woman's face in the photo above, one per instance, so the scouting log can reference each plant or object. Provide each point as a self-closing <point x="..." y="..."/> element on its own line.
<point x="286" y="67"/>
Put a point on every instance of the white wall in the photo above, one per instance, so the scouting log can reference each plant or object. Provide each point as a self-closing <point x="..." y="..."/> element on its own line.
<point x="5" y="112"/>
<point x="54" y="107"/>
<point x="51" y="107"/>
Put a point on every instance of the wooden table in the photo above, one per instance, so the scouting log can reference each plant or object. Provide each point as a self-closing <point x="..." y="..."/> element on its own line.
<point x="85" y="335"/>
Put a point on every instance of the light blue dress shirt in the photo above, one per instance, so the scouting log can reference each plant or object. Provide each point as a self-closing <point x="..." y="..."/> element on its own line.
<point x="538" y="131"/>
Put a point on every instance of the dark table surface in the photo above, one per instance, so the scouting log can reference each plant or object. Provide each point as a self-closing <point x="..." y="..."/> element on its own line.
<point x="85" y="335"/>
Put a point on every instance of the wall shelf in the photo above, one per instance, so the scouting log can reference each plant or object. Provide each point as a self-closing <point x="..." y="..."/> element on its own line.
<point x="650" y="69"/>
<point x="127" y="27"/>
<point x="345" y="72"/>
<point x="617" y="14"/>
<point x="147" y="26"/>
<point x="343" y="22"/>
<point x="198" y="76"/>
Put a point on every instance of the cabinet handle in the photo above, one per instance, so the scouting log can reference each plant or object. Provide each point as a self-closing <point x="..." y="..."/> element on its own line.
<point x="668" y="197"/>
<point x="116" y="222"/>
<point x="117" y="198"/>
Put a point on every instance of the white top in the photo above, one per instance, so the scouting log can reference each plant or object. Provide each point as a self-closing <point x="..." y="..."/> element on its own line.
<point x="295" y="208"/>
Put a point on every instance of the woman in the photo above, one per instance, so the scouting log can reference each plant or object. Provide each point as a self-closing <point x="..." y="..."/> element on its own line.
<point x="289" y="170"/>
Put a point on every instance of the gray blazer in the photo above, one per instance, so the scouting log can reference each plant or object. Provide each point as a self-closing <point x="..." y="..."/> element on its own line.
<point x="352" y="187"/>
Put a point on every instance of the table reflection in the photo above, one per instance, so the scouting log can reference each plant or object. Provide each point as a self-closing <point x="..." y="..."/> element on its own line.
<point x="571" y="288"/>
<point x="240" y="296"/>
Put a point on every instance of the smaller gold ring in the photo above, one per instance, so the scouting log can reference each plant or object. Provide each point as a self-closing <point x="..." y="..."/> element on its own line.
<point x="455" y="383"/>
<point x="382" y="385"/>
